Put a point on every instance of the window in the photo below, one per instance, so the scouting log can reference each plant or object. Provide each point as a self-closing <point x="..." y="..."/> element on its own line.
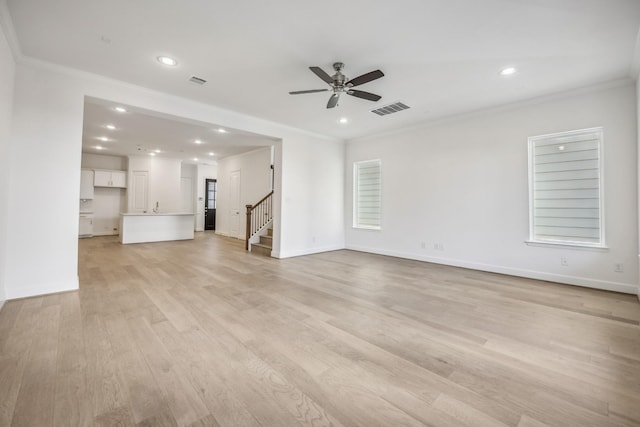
<point x="367" y="192"/>
<point x="565" y="188"/>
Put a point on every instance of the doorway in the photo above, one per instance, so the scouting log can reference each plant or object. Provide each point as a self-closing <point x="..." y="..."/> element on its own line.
<point x="210" y="196"/>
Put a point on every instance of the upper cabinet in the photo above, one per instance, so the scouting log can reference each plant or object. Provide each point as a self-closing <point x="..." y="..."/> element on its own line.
<point x="105" y="178"/>
<point x="86" y="184"/>
<point x="119" y="179"/>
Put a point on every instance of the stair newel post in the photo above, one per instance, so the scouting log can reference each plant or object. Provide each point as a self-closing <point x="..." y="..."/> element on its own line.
<point x="248" y="230"/>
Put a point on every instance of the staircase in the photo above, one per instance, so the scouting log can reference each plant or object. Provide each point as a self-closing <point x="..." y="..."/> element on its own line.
<point x="265" y="245"/>
<point x="259" y="221"/>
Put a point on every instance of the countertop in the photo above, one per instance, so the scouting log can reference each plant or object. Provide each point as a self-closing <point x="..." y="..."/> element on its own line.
<point x="157" y="214"/>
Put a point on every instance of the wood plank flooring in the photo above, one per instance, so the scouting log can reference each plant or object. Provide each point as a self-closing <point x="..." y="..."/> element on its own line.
<point x="201" y="333"/>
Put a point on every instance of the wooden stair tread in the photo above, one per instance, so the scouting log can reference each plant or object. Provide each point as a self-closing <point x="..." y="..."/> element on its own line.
<point x="262" y="245"/>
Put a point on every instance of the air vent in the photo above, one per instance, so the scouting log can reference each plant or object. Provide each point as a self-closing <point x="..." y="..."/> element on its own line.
<point x="390" y="109"/>
<point x="197" y="80"/>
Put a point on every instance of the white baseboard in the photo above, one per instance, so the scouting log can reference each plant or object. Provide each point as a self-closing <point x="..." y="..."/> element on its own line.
<point x="106" y="233"/>
<point x="310" y="251"/>
<point x="531" y="274"/>
<point x="42" y="289"/>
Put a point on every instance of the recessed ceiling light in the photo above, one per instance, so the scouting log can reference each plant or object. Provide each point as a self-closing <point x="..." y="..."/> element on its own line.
<point x="221" y="130"/>
<point x="103" y="138"/>
<point x="561" y="148"/>
<point x="165" y="60"/>
<point x="195" y="159"/>
<point x="212" y="153"/>
<point x="152" y="154"/>
<point x="99" y="147"/>
<point x="120" y="109"/>
<point x="197" y="141"/>
<point x="343" y="120"/>
<point x="508" y="71"/>
<point x="158" y="151"/>
<point x="110" y="127"/>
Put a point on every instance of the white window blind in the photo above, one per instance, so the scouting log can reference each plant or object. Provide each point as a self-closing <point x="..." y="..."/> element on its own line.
<point x="367" y="194"/>
<point x="566" y="188"/>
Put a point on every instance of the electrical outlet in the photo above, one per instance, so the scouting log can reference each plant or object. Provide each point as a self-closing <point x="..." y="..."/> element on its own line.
<point x="564" y="262"/>
<point x="619" y="267"/>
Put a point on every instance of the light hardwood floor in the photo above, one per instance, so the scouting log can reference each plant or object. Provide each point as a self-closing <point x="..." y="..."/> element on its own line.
<point x="200" y="333"/>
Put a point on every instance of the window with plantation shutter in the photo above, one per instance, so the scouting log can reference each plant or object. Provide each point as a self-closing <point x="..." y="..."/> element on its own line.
<point x="367" y="192"/>
<point x="565" y="186"/>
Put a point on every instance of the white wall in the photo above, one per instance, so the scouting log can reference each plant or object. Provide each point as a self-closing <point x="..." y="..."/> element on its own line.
<point x="164" y="182"/>
<point x="638" y="167"/>
<point x="46" y="141"/>
<point x="107" y="203"/>
<point x="45" y="175"/>
<point x="103" y="161"/>
<point x="463" y="183"/>
<point x="204" y="172"/>
<point x="255" y="176"/>
<point x="7" y="73"/>
<point x="313" y="209"/>
<point x="188" y="177"/>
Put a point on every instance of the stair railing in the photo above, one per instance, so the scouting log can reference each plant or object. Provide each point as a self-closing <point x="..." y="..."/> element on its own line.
<point x="258" y="216"/>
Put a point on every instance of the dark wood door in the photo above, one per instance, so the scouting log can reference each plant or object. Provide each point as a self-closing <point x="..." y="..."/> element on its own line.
<point x="210" y="204"/>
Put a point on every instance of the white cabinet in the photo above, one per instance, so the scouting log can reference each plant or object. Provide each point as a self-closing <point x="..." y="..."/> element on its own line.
<point x="119" y="179"/>
<point x="86" y="185"/>
<point x="104" y="178"/>
<point x="86" y="226"/>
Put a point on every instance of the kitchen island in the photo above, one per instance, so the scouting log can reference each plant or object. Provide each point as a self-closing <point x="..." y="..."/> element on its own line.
<point x="155" y="227"/>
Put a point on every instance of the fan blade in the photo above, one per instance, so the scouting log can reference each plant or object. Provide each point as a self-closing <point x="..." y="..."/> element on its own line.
<point x="320" y="73"/>
<point x="298" y="92"/>
<point x="365" y="78"/>
<point x="364" y="95"/>
<point x="333" y="101"/>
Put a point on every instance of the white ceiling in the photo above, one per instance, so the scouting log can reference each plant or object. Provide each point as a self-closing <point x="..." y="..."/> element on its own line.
<point x="141" y="132"/>
<point x="440" y="57"/>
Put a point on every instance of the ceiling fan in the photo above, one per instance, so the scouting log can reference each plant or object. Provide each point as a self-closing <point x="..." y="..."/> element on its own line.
<point x="339" y="84"/>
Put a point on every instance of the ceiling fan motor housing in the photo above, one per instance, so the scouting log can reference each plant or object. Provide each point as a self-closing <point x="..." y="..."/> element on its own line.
<point x="338" y="77"/>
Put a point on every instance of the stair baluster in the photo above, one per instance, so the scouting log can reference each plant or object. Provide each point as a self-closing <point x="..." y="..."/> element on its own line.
<point x="258" y="216"/>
